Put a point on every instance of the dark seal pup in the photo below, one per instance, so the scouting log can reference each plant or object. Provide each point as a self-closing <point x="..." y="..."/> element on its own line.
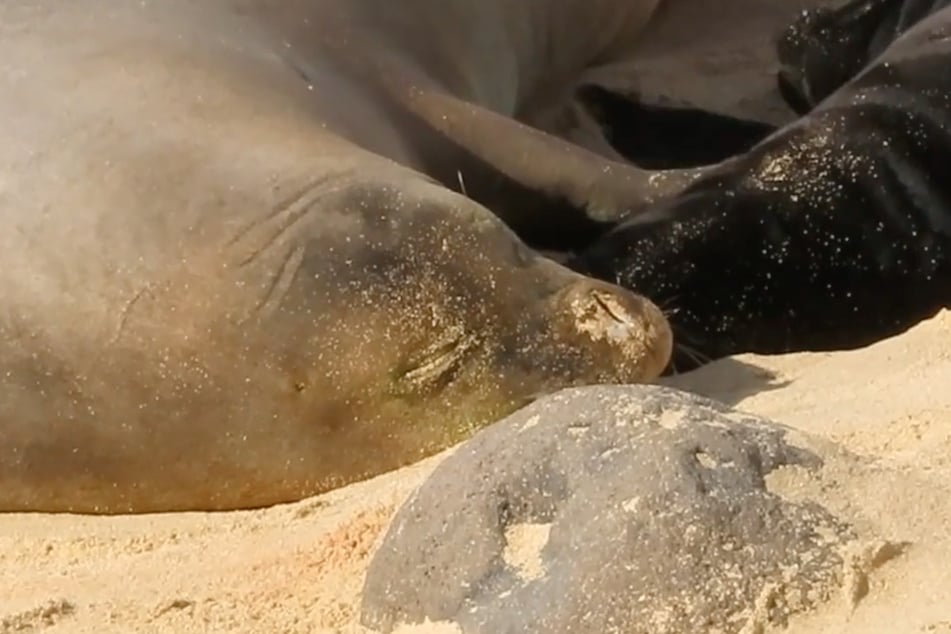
<point x="832" y="233"/>
<point x="233" y="271"/>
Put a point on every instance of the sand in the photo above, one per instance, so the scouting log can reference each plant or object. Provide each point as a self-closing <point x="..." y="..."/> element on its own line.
<point x="299" y="567"/>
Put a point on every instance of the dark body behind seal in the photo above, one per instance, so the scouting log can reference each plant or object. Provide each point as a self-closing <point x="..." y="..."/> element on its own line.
<point x="830" y="234"/>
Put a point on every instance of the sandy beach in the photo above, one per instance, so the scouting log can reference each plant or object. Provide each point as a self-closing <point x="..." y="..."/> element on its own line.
<point x="300" y="567"/>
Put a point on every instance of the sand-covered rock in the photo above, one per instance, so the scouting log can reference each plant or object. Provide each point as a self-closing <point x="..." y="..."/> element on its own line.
<point x="609" y="509"/>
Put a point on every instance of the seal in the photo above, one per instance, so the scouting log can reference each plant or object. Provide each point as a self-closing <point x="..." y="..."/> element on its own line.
<point x="832" y="233"/>
<point x="233" y="272"/>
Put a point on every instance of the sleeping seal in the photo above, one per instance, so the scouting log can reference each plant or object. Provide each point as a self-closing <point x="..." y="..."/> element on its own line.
<point x="234" y="273"/>
<point x="832" y="233"/>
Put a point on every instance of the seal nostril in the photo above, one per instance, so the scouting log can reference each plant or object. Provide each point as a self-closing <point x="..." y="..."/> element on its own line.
<point x="614" y="310"/>
<point x="606" y="316"/>
<point x="627" y="335"/>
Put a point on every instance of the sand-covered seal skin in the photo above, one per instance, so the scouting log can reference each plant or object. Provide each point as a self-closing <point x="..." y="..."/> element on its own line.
<point x="827" y="46"/>
<point x="233" y="277"/>
<point x="832" y="233"/>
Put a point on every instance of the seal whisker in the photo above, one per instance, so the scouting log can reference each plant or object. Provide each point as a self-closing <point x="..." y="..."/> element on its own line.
<point x="665" y="303"/>
<point x="695" y="355"/>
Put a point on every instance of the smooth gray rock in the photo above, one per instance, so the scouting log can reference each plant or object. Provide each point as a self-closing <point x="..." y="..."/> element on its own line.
<point x="608" y="509"/>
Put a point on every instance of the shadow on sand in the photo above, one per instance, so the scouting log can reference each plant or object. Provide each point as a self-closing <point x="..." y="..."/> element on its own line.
<point x="728" y="380"/>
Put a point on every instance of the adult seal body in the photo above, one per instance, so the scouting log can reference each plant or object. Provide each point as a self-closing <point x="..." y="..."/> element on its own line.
<point x="832" y="233"/>
<point x="234" y="273"/>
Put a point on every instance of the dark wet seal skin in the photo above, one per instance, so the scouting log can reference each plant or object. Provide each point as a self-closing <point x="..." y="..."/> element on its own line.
<point x="826" y="46"/>
<point x="831" y="234"/>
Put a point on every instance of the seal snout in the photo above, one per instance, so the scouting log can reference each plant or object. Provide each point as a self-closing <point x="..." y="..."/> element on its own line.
<point x="629" y="331"/>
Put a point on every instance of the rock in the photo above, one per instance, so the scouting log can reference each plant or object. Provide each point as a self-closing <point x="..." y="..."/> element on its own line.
<point x="609" y="509"/>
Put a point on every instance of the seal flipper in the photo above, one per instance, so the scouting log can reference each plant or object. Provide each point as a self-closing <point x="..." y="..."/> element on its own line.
<point x="554" y="194"/>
